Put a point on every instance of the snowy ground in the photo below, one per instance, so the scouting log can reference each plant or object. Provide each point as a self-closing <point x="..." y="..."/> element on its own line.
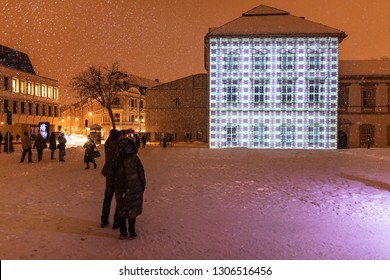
<point x="204" y="204"/>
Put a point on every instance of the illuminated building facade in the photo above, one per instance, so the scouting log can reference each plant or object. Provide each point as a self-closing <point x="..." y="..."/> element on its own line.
<point x="273" y="82"/>
<point x="31" y="98"/>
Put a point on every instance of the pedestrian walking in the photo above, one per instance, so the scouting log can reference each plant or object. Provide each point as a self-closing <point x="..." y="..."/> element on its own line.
<point x="109" y="152"/>
<point x="128" y="179"/>
<point x="144" y="139"/>
<point x="26" y="146"/>
<point x="89" y="147"/>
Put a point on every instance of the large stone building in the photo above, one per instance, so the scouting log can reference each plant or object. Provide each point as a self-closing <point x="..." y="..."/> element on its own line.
<point x="273" y="82"/>
<point x="364" y="103"/>
<point x="31" y="98"/>
<point x="178" y="110"/>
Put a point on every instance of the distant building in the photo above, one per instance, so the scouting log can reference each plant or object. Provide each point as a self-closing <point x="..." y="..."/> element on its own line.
<point x="364" y="103"/>
<point x="273" y="82"/>
<point x="178" y="110"/>
<point x="90" y="117"/>
<point x="31" y="98"/>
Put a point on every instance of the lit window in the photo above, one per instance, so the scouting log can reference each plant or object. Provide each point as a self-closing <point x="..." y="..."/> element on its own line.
<point x="231" y="61"/>
<point x="43" y="90"/>
<point x="55" y="93"/>
<point x="259" y="90"/>
<point x="29" y="88"/>
<point x="49" y="91"/>
<point x="259" y="61"/>
<point x="287" y="60"/>
<point x="36" y="89"/>
<point x="15" y="85"/>
<point x="231" y="90"/>
<point x="287" y="90"/>
<point x="22" y="87"/>
<point x="117" y="117"/>
<point x="315" y="90"/>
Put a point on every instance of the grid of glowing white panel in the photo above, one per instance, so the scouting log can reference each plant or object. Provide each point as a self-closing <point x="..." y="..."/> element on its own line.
<point x="273" y="92"/>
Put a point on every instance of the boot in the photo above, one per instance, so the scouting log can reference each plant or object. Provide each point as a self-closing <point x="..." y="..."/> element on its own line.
<point x="87" y="166"/>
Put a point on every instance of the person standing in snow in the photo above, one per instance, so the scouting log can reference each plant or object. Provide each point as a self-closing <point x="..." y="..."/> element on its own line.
<point x="52" y="144"/>
<point x="26" y="146"/>
<point x="128" y="178"/>
<point x="40" y="144"/>
<point x="61" y="146"/>
<point x="8" y="145"/>
<point x="109" y="152"/>
<point x="144" y="139"/>
<point x="89" y="147"/>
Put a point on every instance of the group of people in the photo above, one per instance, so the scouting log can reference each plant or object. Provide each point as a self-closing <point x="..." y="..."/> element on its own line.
<point x="8" y="139"/>
<point x="125" y="178"/>
<point x="40" y="144"/>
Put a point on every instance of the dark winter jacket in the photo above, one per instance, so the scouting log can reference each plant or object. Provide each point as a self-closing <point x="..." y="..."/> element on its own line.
<point x="40" y="143"/>
<point x="128" y="179"/>
<point x="52" y="142"/>
<point x="8" y="145"/>
<point x="61" y="142"/>
<point x="26" y="142"/>
<point x="89" y="147"/>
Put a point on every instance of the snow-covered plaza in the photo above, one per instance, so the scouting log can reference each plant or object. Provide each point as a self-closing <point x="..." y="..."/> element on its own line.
<point x="204" y="204"/>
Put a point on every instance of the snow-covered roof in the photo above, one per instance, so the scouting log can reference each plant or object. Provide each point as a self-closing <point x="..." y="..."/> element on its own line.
<point x="181" y="83"/>
<point x="14" y="59"/>
<point x="142" y="82"/>
<point x="364" y="68"/>
<point x="268" y="21"/>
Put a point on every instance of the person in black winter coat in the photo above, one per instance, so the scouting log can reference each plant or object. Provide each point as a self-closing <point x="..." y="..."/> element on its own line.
<point x="89" y="147"/>
<point x="8" y="145"/>
<point x="128" y="178"/>
<point x="109" y="152"/>
<point x="61" y="146"/>
<point x="1" y="140"/>
<point x="40" y="144"/>
<point x="52" y="144"/>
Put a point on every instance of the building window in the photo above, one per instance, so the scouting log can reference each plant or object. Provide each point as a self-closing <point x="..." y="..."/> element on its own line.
<point x="287" y="60"/>
<point x="15" y="85"/>
<point x="287" y="135"/>
<point x="231" y="90"/>
<point x="5" y="105"/>
<point x="176" y="100"/>
<point x="43" y="90"/>
<point x="231" y="135"/>
<point x="260" y="136"/>
<point x="5" y="84"/>
<point x="315" y="88"/>
<point x="368" y="97"/>
<point x="315" y="60"/>
<point x="14" y="107"/>
<point x="55" y="93"/>
<point x="43" y="110"/>
<point x="55" y="111"/>
<point x="259" y="61"/>
<point x="344" y="97"/>
<point x="132" y="118"/>
<point x="117" y="117"/>
<point x="199" y="135"/>
<point x="367" y="133"/>
<point x="259" y="90"/>
<point x="132" y="103"/>
<point x="29" y="88"/>
<point x="141" y="103"/>
<point x="36" y="89"/>
<point x="36" y="109"/>
<point x="30" y="109"/>
<point x="49" y="92"/>
<point x="314" y="135"/>
<point x="22" y="104"/>
<point x="388" y="135"/>
<point x="231" y="61"/>
<point x="22" y="86"/>
<point x="287" y="90"/>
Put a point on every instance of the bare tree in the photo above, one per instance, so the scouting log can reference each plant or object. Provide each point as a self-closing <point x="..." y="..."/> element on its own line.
<point x="102" y="85"/>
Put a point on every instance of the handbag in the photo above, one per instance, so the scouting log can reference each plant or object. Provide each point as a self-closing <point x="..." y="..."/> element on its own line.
<point x="96" y="153"/>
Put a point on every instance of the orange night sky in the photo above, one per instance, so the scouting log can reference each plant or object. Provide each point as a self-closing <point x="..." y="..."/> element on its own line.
<point x="163" y="38"/>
